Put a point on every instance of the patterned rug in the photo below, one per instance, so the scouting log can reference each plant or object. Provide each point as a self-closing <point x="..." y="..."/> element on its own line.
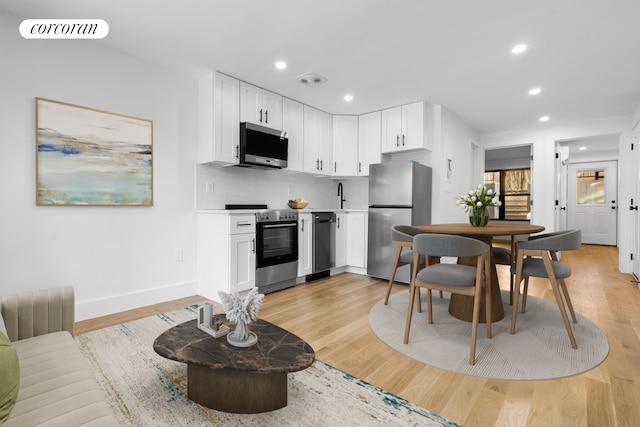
<point x="148" y="390"/>
<point x="540" y="349"/>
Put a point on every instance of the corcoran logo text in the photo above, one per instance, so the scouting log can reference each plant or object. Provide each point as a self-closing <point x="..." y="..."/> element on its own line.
<point x="64" y="29"/>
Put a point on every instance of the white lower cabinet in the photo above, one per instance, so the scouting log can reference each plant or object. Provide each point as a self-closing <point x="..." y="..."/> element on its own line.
<point x="342" y="227"/>
<point x="226" y="253"/>
<point x="305" y="244"/>
<point x="357" y="239"/>
<point x="242" y="261"/>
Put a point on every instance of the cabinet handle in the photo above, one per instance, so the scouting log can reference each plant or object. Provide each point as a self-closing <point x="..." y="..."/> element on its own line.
<point x="335" y="167"/>
<point x="266" y="116"/>
<point x="236" y="151"/>
<point x="302" y="224"/>
<point x="338" y="220"/>
<point x="397" y="140"/>
<point x="253" y="243"/>
<point x="403" y="140"/>
<point x="261" y="115"/>
<point x="317" y="164"/>
<point x="359" y="167"/>
<point x="243" y="223"/>
<point x="321" y="165"/>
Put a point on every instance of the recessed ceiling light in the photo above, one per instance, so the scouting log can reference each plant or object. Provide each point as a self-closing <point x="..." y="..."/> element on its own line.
<point x="582" y="148"/>
<point x="281" y="65"/>
<point x="348" y="97"/>
<point x="519" y="48"/>
<point x="535" y="91"/>
<point x="544" y="119"/>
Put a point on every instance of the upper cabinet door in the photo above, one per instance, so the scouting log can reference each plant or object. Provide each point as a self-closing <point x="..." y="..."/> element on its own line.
<point x="345" y="145"/>
<point x="391" y="129"/>
<point x="260" y="107"/>
<point x="218" y="119"/>
<point x="272" y="105"/>
<point x="293" y="124"/>
<point x="416" y="126"/>
<point x="369" y="128"/>
<point x="318" y="134"/>
<point x="407" y="128"/>
<point x="250" y="103"/>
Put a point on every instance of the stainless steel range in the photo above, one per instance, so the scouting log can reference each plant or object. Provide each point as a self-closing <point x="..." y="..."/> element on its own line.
<point x="276" y="250"/>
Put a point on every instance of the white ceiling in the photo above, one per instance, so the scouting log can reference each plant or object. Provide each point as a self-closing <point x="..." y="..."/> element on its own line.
<point x="584" y="54"/>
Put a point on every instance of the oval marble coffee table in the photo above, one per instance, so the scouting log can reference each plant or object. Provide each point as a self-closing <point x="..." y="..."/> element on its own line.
<point x="234" y="379"/>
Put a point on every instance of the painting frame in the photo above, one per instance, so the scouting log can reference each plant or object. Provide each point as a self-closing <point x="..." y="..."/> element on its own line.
<point x="91" y="157"/>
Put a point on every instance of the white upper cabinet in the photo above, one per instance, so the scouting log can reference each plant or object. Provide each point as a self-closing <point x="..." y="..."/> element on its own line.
<point x="368" y="141"/>
<point x="260" y="107"/>
<point x="407" y="128"/>
<point x="318" y="132"/>
<point x="293" y="124"/>
<point x="218" y="119"/>
<point x="345" y="145"/>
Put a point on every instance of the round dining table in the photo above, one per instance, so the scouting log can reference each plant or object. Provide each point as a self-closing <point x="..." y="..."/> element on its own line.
<point x="461" y="306"/>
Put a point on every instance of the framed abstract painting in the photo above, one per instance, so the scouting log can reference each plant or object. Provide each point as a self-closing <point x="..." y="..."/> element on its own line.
<point x="90" y="157"/>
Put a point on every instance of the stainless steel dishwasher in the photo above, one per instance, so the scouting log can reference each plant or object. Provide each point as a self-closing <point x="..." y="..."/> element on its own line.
<point x="324" y="243"/>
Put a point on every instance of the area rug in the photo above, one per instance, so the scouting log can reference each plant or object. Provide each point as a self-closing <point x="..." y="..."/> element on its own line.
<point x="540" y="348"/>
<point x="148" y="390"/>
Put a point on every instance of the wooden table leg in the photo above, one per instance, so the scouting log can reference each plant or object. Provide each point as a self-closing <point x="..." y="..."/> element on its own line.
<point x="236" y="391"/>
<point x="461" y="306"/>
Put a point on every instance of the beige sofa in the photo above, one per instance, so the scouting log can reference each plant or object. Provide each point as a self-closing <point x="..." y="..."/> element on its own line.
<point x="57" y="387"/>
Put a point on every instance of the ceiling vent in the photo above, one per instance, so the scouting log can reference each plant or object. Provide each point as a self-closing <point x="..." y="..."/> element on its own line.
<point x="311" y="79"/>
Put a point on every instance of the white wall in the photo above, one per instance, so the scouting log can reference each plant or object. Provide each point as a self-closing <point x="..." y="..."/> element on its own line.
<point x="116" y="257"/>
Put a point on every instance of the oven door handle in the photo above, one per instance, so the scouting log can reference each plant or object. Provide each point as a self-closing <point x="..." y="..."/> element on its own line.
<point x="279" y="225"/>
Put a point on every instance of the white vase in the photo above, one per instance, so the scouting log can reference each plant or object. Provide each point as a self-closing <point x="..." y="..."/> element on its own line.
<point x="241" y="336"/>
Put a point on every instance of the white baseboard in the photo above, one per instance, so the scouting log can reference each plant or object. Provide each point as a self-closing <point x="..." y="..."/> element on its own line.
<point x="115" y="304"/>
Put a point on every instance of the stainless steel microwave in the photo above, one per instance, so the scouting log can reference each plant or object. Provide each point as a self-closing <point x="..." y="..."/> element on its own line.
<point x="262" y="146"/>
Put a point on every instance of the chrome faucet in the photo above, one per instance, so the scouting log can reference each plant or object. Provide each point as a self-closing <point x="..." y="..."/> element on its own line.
<point x="341" y="194"/>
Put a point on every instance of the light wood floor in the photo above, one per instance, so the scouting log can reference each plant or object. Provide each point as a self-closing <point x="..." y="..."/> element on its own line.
<point x="332" y="315"/>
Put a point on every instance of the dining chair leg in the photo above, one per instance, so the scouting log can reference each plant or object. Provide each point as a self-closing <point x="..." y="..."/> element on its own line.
<point x="563" y="311"/>
<point x="516" y="293"/>
<point x="525" y="291"/>
<point x="567" y="299"/>
<point x="513" y="258"/>
<point x="419" y="299"/>
<point x="430" y="305"/>
<point x="474" y="324"/>
<point x="487" y="298"/>
<point x="393" y="274"/>
<point x="409" y="313"/>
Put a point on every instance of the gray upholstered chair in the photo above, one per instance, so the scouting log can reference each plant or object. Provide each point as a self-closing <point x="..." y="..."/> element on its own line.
<point x="403" y="234"/>
<point x="454" y="278"/>
<point x="538" y="257"/>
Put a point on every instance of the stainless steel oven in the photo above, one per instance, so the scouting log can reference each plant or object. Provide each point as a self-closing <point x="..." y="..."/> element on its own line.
<point x="276" y="250"/>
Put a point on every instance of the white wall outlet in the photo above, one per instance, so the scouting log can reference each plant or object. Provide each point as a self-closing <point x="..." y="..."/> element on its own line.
<point x="177" y="254"/>
<point x="208" y="187"/>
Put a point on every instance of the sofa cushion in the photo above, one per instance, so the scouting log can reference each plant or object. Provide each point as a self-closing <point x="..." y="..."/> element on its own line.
<point x="10" y="374"/>
<point x="57" y="386"/>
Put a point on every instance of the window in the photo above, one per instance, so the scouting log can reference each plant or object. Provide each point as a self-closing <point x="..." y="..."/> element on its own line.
<point x="590" y="187"/>
<point x="514" y="186"/>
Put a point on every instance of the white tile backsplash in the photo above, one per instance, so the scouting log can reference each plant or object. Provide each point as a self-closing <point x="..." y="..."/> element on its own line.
<point x="232" y="184"/>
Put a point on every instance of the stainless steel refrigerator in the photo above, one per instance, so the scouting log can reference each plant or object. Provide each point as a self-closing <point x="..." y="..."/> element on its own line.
<point x="399" y="194"/>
